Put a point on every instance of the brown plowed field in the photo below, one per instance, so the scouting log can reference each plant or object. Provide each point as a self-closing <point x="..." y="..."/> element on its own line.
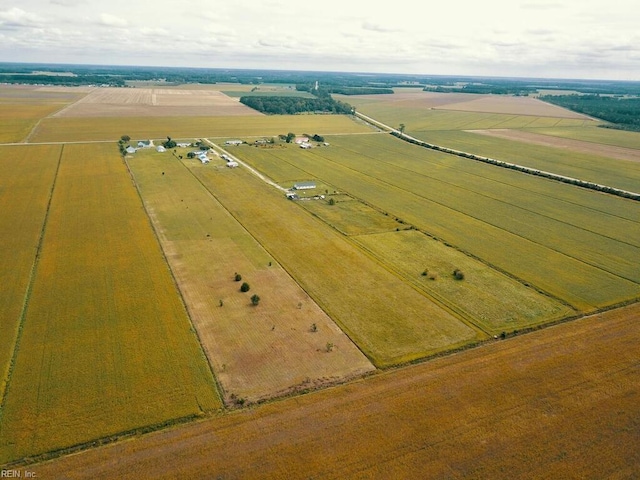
<point x="563" y="402"/>
<point x="609" y="151"/>
<point x="155" y="102"/>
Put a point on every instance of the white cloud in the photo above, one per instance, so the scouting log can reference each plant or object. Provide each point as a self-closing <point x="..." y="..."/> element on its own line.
<point x="112" y="21"/>
<point x="18" y="18"/>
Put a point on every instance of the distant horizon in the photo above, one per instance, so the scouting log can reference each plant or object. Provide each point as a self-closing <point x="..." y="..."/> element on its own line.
<point x="311" y="71"/>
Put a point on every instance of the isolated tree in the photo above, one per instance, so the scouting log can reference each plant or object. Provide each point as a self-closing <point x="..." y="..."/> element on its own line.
<point x="238" y="277"/>
<point x="290" y="136"/>
<point x="458" y="274"/>
<point x="332" y="201"/>
<point x="244" y="287"/>
<point x="169" y="143"/>
<point x="401" y="128"/>
<point x="125" y="138"/>
<point x="314" y="327"/>
<point x="255" y="299"/>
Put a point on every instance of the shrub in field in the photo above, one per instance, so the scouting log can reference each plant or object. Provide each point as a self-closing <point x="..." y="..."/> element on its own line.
<point x="238" y="277"/>
<point x="244" y="287"/>
<point x="255" y="299"/>
<point x="458" y="274"/>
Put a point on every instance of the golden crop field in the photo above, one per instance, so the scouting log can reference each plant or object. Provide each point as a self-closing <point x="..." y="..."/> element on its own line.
<point x="22" y="107"/>
<point x="594" y="165"/>
<point x="557" y="403"/>
<point x="28" y="173"/>
<point x="106" y="346"/>
<point x="258" y="351"/>
<point x="388" y="319"/>
<point x="569" y="242"/>
<point x="602" y="136"/>
<point x="66" y="129"/>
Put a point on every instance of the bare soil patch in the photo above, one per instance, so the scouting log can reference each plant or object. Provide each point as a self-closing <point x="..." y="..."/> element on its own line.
<point x="155" y="102"/>
<point x="610" y="151"/>
<point x="558" y="403"/>
<point x="511" y="105"/>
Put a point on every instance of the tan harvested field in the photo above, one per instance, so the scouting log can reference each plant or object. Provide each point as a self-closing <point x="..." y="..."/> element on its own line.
<point x="64" y="129"/>
<point x="257" y="351"/>
<point x="563" y="402"/>
<point x="512" y="105"/>
<point x="155" y="102"/>
<point x="608" y="151"/>
<point x="106" y="344"/>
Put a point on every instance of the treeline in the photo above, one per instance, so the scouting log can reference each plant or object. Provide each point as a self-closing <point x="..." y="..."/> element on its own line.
<point x="622" y="111"/>
<point x="343" y="90"/>
<point x="293" y="105"/>
<point x="518" y="90"/>
<point x="63" y="80"/>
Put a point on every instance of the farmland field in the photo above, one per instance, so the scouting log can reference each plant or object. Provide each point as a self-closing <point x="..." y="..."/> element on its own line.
<point x="516" y="222"/>
<point x="24" y="196"/>
<point x="155" y="102"/>
<point x="22" y="107"/>
<point x="558" y="403"/>
<point x="604" y="136"/>
<point x="257" y="351"/>
<point x="594" y="166"/>
<point x="106" y="345"/>
<point x="389" y="320"/>
<point x="65" y="129"/>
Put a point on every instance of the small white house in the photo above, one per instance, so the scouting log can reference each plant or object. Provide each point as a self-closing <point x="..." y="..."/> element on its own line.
<point x="160" y="149"/>
<point x="233" y="142"/>
<point x="131" y="150"/>
<point x="145" y="144"/>
<point x="304" y="185"/>
<point x="183" y="145"/>
<point x="232" y="164"/>
<point x="301" y="140"/>
<point x="203" y="158"/>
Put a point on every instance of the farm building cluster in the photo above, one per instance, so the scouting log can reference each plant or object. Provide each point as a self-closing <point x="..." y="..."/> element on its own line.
<point x="201" y="154"/>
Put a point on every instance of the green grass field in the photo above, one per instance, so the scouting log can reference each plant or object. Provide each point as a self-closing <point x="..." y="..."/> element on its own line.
<point x="63" y="129"/>
<point x="577" y="245"/>
<point x="106" y="345"/>
<point x="387" y="318"/>
<point x="257" y="351"/>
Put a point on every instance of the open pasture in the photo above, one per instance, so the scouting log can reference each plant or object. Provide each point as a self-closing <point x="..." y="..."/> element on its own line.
<point x="64" y="129"/>
<point x="511" y="105"/>
<point x="489" y="299"/>
<point x="574" y="250"/>
<point x="106" y="344"/>
<point x="258" y="351"/>
<point x="596" y="165"/>
<point x="155" y="102"/>
<point x="557" y="403"/>
<point x="25" y="188"/>
<point x="350" y="216"/>
<point x="387" y="318"/>
<point x="595" y="135"/>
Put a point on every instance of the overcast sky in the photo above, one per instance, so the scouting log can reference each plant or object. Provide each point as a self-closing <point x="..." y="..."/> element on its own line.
<point x="541" y="38"/>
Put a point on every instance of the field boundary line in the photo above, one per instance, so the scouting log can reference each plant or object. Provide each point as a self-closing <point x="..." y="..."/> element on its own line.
<point x="220" y="390"/>
<point x="4" y="388"/>
<point x="501" y="163"/>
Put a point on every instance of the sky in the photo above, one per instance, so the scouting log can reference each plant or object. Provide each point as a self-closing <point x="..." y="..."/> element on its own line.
<point x="574" y="39"/>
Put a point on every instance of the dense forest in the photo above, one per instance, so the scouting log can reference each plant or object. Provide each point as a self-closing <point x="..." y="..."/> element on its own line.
<point x="622" y="111"/>
<point x="292" y="105"/>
